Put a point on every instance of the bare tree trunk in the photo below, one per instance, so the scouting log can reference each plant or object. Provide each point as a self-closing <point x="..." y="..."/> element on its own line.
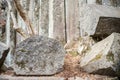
<point x="8" y="60"/>
<point x="51" y="18"/>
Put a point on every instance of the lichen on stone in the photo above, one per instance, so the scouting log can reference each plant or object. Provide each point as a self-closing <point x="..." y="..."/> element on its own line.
<point x="96" y="57"/>
<point x="21" y="64"/>
<point x="110" y="57"/>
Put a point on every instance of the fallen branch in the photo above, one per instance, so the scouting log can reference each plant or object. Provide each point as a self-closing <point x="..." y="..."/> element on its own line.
<point x="23" y="15"/>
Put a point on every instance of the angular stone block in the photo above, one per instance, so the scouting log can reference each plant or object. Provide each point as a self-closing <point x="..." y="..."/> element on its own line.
<point x="104" y="57"/>
<point x="115" y="3"/>
<point x="29" y="78"/>
<point x="106" y="26"/>
<point x="39" y="55"/>
<point x="90" y="16"/>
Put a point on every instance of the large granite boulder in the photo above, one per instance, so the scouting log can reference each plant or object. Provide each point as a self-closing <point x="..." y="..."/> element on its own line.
<point x="104" y="57"/>
<point x="3" y="54"/>
<point x="102" y="18"/>
<point x="39" y="55"/>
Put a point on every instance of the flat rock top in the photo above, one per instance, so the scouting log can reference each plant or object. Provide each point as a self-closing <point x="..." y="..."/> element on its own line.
<point x="30" y="78"/>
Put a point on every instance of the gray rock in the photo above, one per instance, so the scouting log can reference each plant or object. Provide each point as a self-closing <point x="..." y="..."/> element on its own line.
<point x="3" y="53"/>
<point x="104" y="57"/>
<point x="39" y="55"/>
<point x="76" y="78"/>
<point x="90" y="17"/>
<point x="115" y="3"/>
<point x="106" y="26"/>
<point x="30" y="78"/>
<point x="95" y="78"/>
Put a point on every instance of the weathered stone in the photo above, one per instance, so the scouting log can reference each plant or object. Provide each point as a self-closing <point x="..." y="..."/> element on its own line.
<point x="114" y="3"/>
<point x="100" y="77"/>
<point x="106" y="26"/>
<point x="104" y="57"/>
<point x="29" y="78"/>
<point x="3" y="53"/>
<point x="96" y="77"/>
<point x="72" y="19"/>
<point x="90" y="16"/>
<point x="39" y="55"/>
<point x="118" y="3"/>
<point x="76" y="78"/>
<point x="107" y="2"/>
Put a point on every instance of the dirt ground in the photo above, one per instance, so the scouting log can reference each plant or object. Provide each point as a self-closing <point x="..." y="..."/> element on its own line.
<point x="72" y="69"/>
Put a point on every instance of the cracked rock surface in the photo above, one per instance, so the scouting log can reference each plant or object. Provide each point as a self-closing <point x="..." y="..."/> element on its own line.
<point x="39" y="55"/>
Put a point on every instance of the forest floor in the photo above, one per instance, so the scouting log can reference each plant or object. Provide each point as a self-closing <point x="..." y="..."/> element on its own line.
<point x="71" y="69"/>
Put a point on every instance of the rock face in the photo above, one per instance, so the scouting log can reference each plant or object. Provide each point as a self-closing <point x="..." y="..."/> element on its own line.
<point x="39" y="55"/>
<point x="90" y="17"/>
<point x="106" y="26"/>
<point x="3" y="53"/>
<point x="30" y="78"/>
<point x="104" y="57"/>
<point x="115" y="3"/>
